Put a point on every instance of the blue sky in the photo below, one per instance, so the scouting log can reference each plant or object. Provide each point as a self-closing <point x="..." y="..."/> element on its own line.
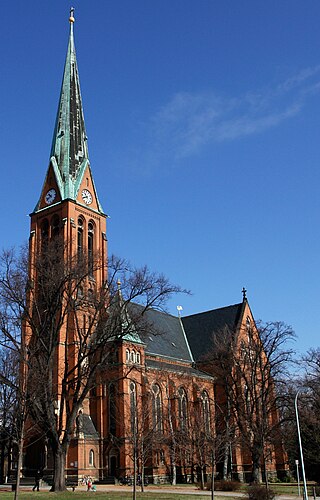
<point x="203" y="125"/>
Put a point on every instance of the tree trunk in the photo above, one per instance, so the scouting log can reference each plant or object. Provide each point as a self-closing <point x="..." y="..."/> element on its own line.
<point x="173" y="467"/>
<point x="134" y="486"/>
<point x="256" y="470"/>
<point x="202" y="479"/>
<point x="142" y="478"/>
<point x="212" y="474"/>
<point x="59" y="480"/>
<point x="226" y="453"/>
<point x="19" y="466"/>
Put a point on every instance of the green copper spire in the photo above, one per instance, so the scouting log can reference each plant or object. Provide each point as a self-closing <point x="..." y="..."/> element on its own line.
<point x="69" y="146"/>
<point x="69" y="151"/>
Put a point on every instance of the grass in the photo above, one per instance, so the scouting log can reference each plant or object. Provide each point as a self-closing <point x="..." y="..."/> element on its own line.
<point x="104" y="495"/>
<point x="279" y="488"/>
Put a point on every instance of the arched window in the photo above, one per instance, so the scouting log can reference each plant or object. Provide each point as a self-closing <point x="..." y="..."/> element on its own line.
<point x="44" y="233"/>
<point x="133" y="406"/>
<point x="132" y="357"/>
<point x="55" y="226"/>
<point x="112" y="409"/>
<point x="80" y="238"/>
<point x="206" y="412"/>
<point x="156" y="408"/>
<point x="248" y="328"/>
<point x="247" y="399"/>
<point x="127" y="355"/>
<point x="183" y="408"/>
<point x="91" y="458"/>
<point x="90" y="294"/>
<point x="90" y="248"/>
<point x="138" y="358"/>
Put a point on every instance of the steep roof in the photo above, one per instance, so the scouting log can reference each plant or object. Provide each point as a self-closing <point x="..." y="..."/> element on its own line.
<point x="88" y="427"/>
<point x="201" y="327"/>
<point x="167" y="338"/>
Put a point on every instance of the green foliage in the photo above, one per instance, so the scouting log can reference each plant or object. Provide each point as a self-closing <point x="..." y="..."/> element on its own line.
<point x="258" y="492"/>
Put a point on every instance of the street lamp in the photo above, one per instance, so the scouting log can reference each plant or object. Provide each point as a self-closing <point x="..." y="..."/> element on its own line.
<point x="305" y="493"/>
<point x="298" y="477"/>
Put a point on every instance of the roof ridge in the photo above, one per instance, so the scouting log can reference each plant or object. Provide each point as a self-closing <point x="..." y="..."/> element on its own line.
<point x="212" y="310"/>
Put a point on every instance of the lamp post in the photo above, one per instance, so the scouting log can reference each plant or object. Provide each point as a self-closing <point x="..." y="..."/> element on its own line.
<point x="305" y="493"/>
<point x="298" y="477"/>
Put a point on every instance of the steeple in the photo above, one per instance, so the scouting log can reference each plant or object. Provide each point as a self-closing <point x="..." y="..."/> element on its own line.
<point x="69" y="155"/>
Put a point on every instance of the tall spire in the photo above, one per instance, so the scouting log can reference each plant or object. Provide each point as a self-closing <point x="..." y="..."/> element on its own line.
<point x="69" y="149"/>
<point x="69" y="159"/>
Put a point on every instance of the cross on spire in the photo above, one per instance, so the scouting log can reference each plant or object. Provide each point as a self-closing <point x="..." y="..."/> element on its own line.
<point x="244" y="293"/>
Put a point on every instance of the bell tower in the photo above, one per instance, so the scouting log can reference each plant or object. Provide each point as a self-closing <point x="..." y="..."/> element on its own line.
<point x="69" y="204"/>
<point x="68" y="214"/>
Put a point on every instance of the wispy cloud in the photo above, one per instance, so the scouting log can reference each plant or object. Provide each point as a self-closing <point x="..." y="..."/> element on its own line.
<point x="191" y="121"/>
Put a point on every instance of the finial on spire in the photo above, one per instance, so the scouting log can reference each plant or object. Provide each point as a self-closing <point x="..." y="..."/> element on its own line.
<point x="119" y="285"/>
<point x="244" y="293"/>
<point x="71" y="18"/>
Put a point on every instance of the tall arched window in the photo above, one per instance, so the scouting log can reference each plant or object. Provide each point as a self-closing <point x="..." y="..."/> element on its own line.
<point x="183" y="408"/>
<point x="112" y="410"/>
<point x="248" y="328"/>
<point x="156" y="408"/>
<point x="80" y="238"/>
<point x="44" y="233"/>
<point x="206" y="412"/>
<point x="133" y="406"/>
<point x="91" y="458"/>
<point x="55" y="226"/>
<point x="132" y="357"/>
<point x="90" y="248"/>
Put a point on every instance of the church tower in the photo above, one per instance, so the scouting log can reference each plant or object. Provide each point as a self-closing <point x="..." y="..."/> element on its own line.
<point x="69" y="212"/>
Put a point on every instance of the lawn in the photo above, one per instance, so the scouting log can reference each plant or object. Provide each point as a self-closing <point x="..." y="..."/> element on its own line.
<point x="104" y="495"/>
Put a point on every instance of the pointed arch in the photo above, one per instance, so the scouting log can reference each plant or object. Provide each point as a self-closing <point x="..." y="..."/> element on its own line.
<point x="80" y="230"/>
<point x="44" y="233"/>
<point x="205" y="403"/>
<point x="133" y="405"/>
<point x="112" y="409"/>
<point x="55" y="226"/>
<point x="91" y="230"/>
<point x="183" y="408"/>
<point x="156" y="408"/>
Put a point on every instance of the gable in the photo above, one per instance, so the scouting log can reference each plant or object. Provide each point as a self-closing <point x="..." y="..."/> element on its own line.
<point x="200" y="328"/>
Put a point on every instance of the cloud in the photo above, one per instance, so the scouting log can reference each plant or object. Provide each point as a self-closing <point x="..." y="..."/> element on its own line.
<point x="189" y="122"/>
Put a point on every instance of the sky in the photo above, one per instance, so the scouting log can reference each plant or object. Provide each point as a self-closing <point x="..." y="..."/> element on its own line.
<point x="203" y="130"/>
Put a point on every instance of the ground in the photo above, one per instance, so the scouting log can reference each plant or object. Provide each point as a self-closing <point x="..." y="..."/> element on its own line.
<point x="166" y="492"/>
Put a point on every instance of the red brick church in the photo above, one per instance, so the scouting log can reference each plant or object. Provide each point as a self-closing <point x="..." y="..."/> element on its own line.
<point x="171" y="396"/>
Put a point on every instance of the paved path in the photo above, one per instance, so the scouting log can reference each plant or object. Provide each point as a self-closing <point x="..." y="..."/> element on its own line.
<point x="182" y="490"/>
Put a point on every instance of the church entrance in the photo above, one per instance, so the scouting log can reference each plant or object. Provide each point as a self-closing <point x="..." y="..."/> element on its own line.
<point x="113" y="466"/>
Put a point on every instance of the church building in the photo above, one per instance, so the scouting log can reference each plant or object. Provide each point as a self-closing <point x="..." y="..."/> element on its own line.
<point x="156" y="411"/>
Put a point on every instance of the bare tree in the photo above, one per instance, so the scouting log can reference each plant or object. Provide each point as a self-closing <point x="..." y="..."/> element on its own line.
<point x="250" y="365"/>
<point x="65" y="317"/>
<point x="309" y="408"/>
<point x="9" y="369"/>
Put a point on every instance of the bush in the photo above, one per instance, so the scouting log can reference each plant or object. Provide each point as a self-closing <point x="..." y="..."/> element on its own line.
<point x="258" y="492"/>
<point x="226" y="485"/>
<point x="276" y="480"/>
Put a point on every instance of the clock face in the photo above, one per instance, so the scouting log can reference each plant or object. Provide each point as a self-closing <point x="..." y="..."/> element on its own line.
<point x="50" y="196"/>
<point x="86" y="196"/>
